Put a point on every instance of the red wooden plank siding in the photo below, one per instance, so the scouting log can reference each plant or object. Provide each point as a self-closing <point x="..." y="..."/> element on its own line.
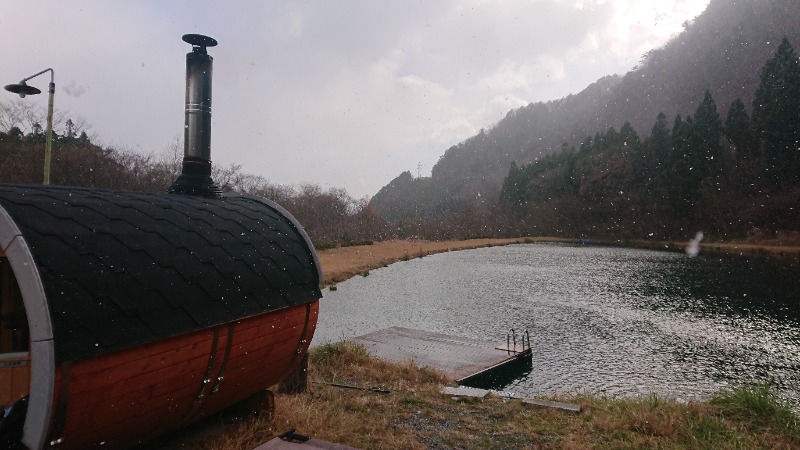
<point x="130" y="364"/>
<point x="122" y="398"/>
<point x="245" y="372"/>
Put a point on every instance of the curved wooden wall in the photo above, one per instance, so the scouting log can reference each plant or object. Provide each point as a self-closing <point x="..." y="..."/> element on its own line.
<point x="122" y="399"/>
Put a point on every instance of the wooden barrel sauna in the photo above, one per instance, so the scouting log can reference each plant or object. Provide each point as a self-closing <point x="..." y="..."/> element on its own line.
<point x="125" y="315"/>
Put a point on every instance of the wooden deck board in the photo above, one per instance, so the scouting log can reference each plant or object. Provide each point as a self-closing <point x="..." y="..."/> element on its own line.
<point x="569" y="407"/>
<point x="463" y="391"/>
<point x="457" y="357"/>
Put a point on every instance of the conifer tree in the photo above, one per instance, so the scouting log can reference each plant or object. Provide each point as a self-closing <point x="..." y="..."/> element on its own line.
<point x="629" y="140"/>
<point x="659" y="136"/>
<point x="674" y="177"/>
<point x="653" y="151"/>
<point x="776" y="115"/>
<point x="739" y="131"/>
<point x="515" y="189"/>
<point x="706" y="148"/>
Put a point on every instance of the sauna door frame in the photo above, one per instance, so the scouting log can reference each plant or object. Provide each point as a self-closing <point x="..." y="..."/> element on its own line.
<point x="15" y="345"/>
<point x="40" y="327"/>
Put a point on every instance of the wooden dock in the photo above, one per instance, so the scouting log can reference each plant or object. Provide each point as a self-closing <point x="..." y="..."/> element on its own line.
<point x="458" y="357"/>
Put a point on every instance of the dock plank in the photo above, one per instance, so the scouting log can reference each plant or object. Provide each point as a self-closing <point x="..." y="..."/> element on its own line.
<point x="569" y="407"/>
<point x="457" y="357"/>
<point x="511" y="348"/>
<point x="463" y="391"/>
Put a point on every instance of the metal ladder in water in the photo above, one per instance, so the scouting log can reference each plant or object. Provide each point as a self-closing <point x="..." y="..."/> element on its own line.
<point x="511" y="342"/>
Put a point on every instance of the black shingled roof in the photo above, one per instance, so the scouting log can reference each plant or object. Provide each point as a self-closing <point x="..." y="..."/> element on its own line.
<point x="121" y="269"/>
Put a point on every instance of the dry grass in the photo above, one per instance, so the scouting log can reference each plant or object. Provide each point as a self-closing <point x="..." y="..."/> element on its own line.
<point x="738" y="248"/>
<point x="341" y="263"/>
<point x="765" y="248"/>
<point x="415" y="416"/>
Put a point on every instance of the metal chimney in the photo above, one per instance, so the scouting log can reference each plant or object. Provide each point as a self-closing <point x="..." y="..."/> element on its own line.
<point x="195" y="178"/>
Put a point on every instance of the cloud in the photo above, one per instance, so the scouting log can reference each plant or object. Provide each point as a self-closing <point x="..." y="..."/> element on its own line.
<point x="636" y="27"/>
<point x="513" y="76"/>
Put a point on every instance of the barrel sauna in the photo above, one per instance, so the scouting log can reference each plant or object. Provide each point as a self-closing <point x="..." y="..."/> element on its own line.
<point x="125" y="315"/>
<point x="144" y="312"/>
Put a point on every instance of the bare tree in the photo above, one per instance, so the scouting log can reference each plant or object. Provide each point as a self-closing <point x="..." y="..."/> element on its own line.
<point x="25" y="115"/>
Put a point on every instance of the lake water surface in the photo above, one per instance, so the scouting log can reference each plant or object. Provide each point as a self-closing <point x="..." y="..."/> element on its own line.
<point x="613" y="321"/>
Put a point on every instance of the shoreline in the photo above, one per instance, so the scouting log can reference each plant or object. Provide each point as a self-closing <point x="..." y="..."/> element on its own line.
<point x="341" y="263"/>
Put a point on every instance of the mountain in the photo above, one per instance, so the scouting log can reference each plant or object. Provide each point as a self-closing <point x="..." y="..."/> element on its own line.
<point x="722" y="51"/>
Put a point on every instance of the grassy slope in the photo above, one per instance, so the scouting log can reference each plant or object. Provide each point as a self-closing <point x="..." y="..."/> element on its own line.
<point x="415" y="416"/>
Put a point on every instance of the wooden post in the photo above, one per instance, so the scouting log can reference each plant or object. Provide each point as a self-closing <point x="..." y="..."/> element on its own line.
<point x="297" y="381"/>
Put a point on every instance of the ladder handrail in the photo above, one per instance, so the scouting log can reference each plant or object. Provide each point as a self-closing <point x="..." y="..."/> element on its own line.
<point x="511" y="341"/>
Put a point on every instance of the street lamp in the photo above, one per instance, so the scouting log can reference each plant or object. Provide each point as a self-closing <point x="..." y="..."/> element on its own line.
<point x="22" y="89"/>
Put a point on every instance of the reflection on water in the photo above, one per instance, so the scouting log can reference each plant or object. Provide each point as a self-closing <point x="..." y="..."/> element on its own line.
<point x="602" y="320"/>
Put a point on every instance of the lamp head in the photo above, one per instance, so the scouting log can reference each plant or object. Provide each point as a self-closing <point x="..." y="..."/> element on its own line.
<point x="22" y="89"/>
<point x="198" y="40"/>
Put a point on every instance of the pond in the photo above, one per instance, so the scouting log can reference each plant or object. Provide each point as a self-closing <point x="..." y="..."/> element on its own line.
<point x="602" y="320"/>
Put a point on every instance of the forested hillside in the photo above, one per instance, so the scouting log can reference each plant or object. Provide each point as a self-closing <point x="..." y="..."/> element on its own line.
<point x="731" y="178"/>
<point x="722" y="51"/>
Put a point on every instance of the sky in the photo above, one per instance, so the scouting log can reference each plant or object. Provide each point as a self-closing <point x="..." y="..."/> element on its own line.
<point x="344" y="94"/>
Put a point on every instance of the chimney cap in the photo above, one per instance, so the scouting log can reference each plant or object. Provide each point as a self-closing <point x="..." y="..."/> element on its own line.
<point x="198" y="40"/>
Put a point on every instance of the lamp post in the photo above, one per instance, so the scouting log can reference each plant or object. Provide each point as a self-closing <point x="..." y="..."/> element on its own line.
<point x="22" y="89"/>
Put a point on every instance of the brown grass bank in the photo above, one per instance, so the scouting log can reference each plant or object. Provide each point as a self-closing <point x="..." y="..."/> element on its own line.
<point x="341" y="263"/>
